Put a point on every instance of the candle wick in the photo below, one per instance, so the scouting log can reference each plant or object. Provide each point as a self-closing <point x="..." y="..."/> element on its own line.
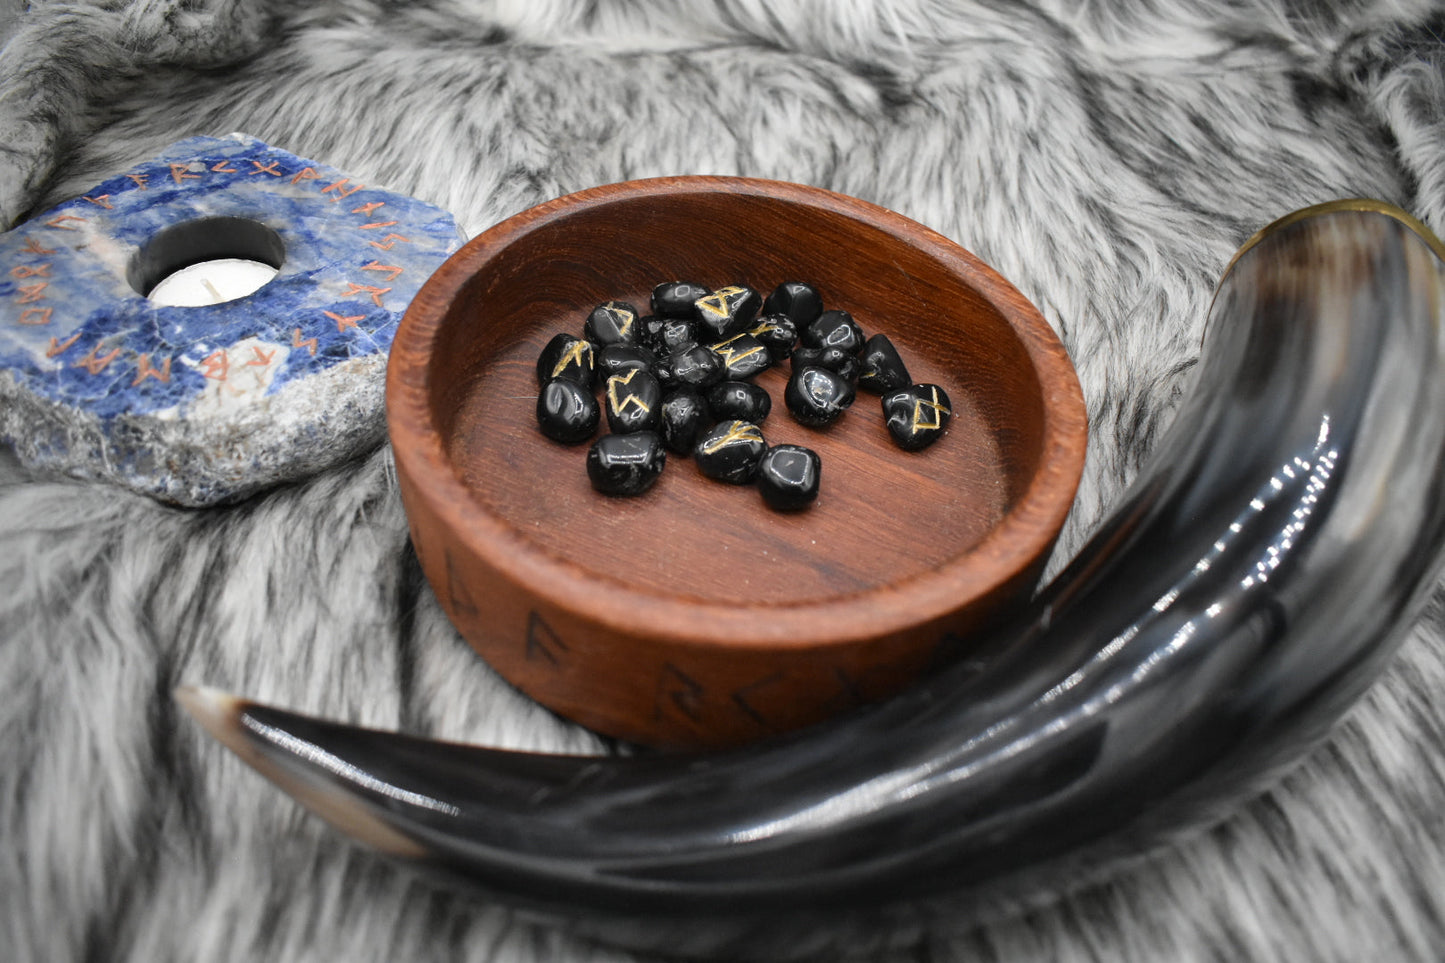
<point x="212" y="288"/>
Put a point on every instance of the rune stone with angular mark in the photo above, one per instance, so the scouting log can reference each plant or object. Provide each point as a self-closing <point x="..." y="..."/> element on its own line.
<point x="917" y="416"/>
<point x="730" y="452"/>
<point x="727" y="311"/>
<point x="568" y="356"/>
<point x="745" y="357"/>
<point x="778" y="333"/>
<point x="613" y="322"/>
<point x="882" y="368"/>
<point x="684" y="417"/>
<point x="634" y="401"/>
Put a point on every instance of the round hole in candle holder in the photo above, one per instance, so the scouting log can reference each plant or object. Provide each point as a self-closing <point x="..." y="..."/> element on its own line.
<point x="691" y="615"/>
<point x="208" y="260"/>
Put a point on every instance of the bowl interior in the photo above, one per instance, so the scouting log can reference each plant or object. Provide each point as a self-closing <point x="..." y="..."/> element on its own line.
<point x="884" y="516"/>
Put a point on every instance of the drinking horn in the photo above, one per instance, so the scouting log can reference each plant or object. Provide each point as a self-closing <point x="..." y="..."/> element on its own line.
<point x="1251" y="583"/>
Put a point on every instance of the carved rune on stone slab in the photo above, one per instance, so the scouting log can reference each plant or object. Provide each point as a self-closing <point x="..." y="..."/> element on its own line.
<point x="207" y="404"/>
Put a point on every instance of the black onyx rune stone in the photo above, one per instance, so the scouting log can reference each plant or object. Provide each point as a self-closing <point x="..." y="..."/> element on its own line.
<point x="626" y="464"/>
<point x="613" y="322"/>
<point x="788" y="477"/>
<point x="684" y="416"/>
<point x="917" y="415"/>
<point x="845" y="364"/>
<point x="834" y="329"/>
<point x="727" y="311"/>
<point x="799" y="301"/>
<point x="739" y="401"/>
<point x="745" y="357"/>
<point x="778" y="333"/>
<point x="882" y="369"/>
<point x="817" y="397"/>
<point x="730" y="452"/>
<point x="567" y="357"/>
<point x="633" y="402"/>
<point x="696" y="365"/>
<point x="676" y="333"/>
<point x="566" y="411"/>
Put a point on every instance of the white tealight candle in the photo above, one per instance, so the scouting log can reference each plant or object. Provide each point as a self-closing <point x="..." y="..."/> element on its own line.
<point x="211" y="282"/>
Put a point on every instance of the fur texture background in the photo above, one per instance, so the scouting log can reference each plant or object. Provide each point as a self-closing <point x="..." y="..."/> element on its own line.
<point x="1106" y="156"/>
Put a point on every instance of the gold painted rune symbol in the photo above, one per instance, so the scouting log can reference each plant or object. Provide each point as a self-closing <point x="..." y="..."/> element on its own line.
<point x="573" y="355"/>
<point x="740" y="431"/>
<point x="936" y="411"/>
<point x="624" y="317"/>
<point x="632" y="400"/>
<point x="714" y="304"/>
<point x="731" y="354"/>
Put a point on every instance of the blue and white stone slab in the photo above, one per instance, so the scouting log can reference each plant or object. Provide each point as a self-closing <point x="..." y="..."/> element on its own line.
<point x="202" y="405"/>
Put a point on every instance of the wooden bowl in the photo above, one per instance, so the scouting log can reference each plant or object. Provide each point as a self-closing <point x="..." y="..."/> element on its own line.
<point x="694" y="615"/>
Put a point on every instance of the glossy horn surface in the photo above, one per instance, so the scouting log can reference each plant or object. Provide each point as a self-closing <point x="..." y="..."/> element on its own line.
<point x="1251" y="583"/>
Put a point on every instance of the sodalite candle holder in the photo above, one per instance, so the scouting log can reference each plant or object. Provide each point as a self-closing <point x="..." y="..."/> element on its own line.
<point x="202" y="405"/>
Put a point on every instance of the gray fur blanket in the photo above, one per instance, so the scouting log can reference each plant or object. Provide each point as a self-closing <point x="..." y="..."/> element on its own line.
<point x="1107" y="157"/>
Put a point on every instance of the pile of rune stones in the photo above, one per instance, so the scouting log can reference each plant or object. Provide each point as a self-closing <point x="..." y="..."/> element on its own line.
<point x="680" y="380"/>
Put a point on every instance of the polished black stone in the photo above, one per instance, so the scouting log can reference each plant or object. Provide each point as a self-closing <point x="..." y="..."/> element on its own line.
<point x="744" y="355"/>
<point x="817" y="397"/>
<point x="685" y="415"/>
<point x="675" y="299"/>
<point x="799" y="301"/>
<point x="882" y="370"/>
<point x="677" y="333"/>
<point x="834" y="329"/>
<point x="730" y="452"/>
<point x="633" y="401"/>
<point x="917" y="415"/>
<point x="696" y="365"/>
<point x="568" y="356"/>
<point x="567" y="412"/>
<point x="613" y="322"/>
<point x="727" y="311"/>
<point x="622" y="358"/>
<point x="788" y="477"/>
<point x="626" y="464"/>
<point x="739" y="401"/>
<point x="836" y="360"/>
<point x="778" y="333"/>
